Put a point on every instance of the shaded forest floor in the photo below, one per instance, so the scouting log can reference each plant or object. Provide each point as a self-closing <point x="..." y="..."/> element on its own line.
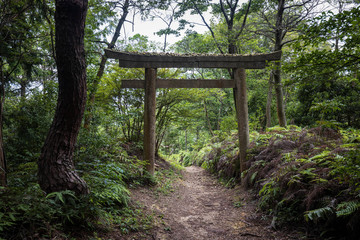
<point x="197" y="206"/>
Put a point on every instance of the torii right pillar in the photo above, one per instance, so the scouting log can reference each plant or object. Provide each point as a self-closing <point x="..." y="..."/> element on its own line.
<point x="241" y="106"/>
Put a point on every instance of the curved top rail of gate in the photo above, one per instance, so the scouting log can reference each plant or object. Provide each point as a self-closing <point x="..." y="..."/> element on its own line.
<point x="171" y="60"/>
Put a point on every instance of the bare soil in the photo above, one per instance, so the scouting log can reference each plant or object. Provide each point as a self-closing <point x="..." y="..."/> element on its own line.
<point x="201" y="208"/>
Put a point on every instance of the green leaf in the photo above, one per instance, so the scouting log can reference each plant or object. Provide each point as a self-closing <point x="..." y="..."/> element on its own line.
<point x="317" y="214"/>
<point x="12" y="217"/>
<point x="347" y="208"/>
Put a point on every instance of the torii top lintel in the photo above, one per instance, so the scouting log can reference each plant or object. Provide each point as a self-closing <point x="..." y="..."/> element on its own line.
<point x="170" y="60"/>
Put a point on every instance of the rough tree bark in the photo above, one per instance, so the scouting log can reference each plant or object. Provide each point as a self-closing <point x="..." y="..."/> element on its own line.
<point x="56" y="168"/>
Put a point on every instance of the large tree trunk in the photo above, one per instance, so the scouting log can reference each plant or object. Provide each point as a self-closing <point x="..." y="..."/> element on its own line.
<point x="3" y="170"/>
<point x="277" y="71"/>
<point x="56" y="167"/>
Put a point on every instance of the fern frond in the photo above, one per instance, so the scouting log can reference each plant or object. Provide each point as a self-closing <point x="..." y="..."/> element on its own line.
<point x="317" y="214"/>
<point x="253" y="176"/>
<point x="347" y="208"/>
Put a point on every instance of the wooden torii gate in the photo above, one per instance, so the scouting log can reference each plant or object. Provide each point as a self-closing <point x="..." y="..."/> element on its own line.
<point x="152" y="61"/>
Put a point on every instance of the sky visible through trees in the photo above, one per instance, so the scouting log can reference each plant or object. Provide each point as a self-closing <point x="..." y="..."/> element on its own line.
<point x="149" y="27"/>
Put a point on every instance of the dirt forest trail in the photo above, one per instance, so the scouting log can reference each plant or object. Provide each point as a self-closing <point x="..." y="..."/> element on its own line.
<point x="201" y="208"/>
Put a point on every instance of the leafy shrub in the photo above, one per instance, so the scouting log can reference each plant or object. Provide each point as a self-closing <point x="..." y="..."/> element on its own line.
<point x="106" y="183"/>
<point x="26" y="124"/>
<point x="29" y="212"/>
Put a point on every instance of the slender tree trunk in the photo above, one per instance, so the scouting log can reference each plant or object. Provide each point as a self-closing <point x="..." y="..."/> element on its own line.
<point x="268" y="101"/>
<point x="56" y="168"/>
<point x="159" y="140"/>
<point x="277" y="70"/>
<point x="23" y="84"/>
<point x="279" y="95"/>
<point x="3" y="170"/>
<point x="219" y="114"/>
<point x="25" y="81"/>
<point x="100" y="73"/>
<point x="208" y="119"/>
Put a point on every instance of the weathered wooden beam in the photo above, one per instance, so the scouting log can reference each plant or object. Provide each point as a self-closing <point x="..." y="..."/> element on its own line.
<point x="241" y="105"/>
<point x="169" y="64"/>
<point x="150" y="119"/>
<point x="156" y="60"/>
<point x="194" y="83"/>
<point x="132" y="83"/>
<point x="181" y="83"/>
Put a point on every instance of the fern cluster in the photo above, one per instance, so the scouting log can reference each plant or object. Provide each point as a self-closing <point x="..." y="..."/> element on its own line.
<point x="307" y="177"/>
<point x="26" y="211"/>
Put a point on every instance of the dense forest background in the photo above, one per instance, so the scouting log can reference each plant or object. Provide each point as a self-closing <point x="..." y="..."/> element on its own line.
<point x="306" y="107"/>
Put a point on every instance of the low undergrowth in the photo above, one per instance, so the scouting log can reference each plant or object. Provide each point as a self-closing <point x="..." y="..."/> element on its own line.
<point x="309" y="178"/>
<point x="109" y="168"/>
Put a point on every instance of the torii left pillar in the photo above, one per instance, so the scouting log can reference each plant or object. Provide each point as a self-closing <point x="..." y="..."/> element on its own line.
<point x="150" y="119"/>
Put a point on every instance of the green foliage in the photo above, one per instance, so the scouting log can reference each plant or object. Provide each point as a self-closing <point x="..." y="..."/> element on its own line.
<point x="108" y="170"/>
<point x="27" y="211"/>
<point x="325" y="74"/>
<point x="320" y="183"/>
<point x="347" y="208"/>
<point x="347" y="169"/>
<point x="70" y="209"/>
<point x="270" y="193"/>
<point x="238" y="204"/>
<point x="320" y="213"/>
<point x="343" y="210"/>
<point x="217" y="157"/>
<point x="202" y="156"/>
<point x="133" y="219"/>
<point x="26" y="124"/>
<point x="164" y="179"/>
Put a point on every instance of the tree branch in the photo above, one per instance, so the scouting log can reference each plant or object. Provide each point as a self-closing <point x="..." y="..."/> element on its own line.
<point x="224" y="12"/>
<point x="297" y="5"/>
<point x="244" y="21"/>
<point x="207" y="25"/>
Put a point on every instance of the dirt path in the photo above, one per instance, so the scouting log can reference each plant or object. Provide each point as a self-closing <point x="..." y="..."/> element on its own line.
<point x="200" y="208"/>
